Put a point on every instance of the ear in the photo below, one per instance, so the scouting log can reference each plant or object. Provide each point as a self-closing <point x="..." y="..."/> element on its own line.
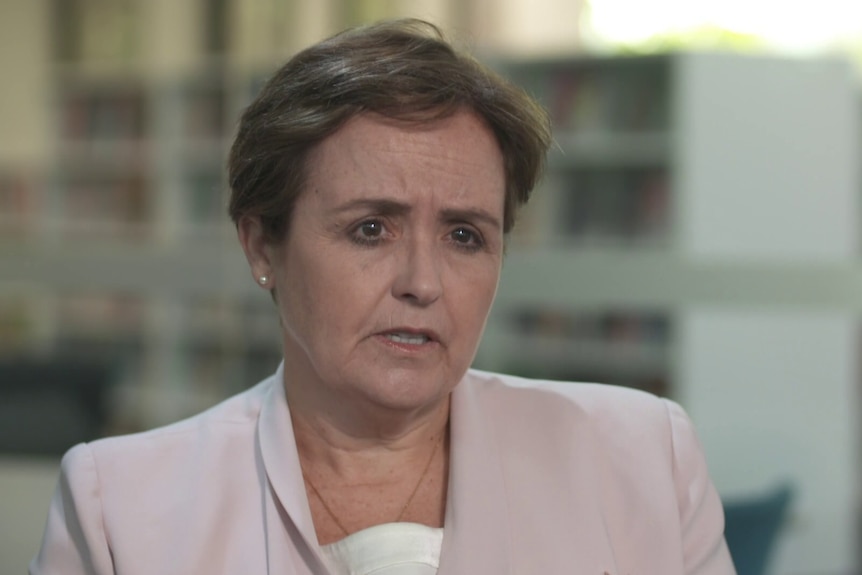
<point x="257" y="250"/>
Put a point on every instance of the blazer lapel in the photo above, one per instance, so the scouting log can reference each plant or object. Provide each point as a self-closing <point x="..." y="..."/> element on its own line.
<point x="476" y="528"/>
<point x="587" y="530"/>
<point x="292" y="545"/>
<point x="521" y="501"/>
<point x="481" y="513"/>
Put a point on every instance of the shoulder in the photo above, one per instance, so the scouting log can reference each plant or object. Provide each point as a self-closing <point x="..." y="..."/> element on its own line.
<point x="638" y="438"/>
<point x="641" y="450"/>
<point x="177" y="481"/>
<point x="225" y="430"/>
<point x="627" y="428"/>
<point x="614" y="408"/>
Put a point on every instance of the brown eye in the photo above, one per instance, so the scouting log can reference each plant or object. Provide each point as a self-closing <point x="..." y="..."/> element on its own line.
<point x="463" y="236"/>
<point x="370" y="229"/>
<point x="466" y="239"/>
<point x="368" y="233"/>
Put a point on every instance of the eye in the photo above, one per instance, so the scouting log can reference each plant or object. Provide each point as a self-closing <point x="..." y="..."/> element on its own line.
<point x="370" y="229"/>
<point x="368" y="232"/>
<point x="466" y="238"/>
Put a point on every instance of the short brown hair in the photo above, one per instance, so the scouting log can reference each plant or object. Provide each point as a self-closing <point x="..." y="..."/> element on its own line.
<point x="402" y="69"/>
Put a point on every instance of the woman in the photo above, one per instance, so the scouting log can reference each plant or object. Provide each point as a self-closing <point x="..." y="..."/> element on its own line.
<point x="373" y="183"/>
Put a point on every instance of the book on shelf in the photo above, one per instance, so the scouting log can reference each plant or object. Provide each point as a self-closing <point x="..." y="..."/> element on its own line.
<point x="652" y="208"/>
<point x="615" y="206"/>
<point x="618" y="347"/>
<point x="581" y="96"/>
<point x="100" y="315"/>
<point x="104" y="112"/>
<point x="647" y="104"/>
<point x="94" y="204"/>
<point x="205" y="110"/>
<point x="227" y="347"/>
<point x="20" y="203"/>
<point x="608" y="326"/>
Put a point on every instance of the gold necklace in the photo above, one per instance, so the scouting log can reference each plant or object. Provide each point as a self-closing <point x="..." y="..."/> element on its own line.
<point x="403" y="509"/>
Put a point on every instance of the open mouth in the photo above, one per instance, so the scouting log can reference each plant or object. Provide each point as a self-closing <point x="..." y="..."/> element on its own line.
<point x="408" y="338"/>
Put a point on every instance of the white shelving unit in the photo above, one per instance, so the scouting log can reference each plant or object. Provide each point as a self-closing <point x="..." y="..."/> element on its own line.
<point x="719" y="192"/>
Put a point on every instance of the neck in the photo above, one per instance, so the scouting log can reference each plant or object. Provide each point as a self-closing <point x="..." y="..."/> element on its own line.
<point x="363" y="471"/>
<point x="356" y="451"/>
<point x="351" y="419"/>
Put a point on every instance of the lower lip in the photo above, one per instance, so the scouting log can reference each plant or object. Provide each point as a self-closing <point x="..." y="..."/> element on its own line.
<point x="427" y="345"/>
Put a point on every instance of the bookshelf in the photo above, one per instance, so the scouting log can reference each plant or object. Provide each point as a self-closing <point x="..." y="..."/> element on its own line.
<point x="607" y="191"/>
<point x="696" y="235"/>
<point x="118" y="238"/>
<point x="120" y="235"/>
<point x="644" y="260"/>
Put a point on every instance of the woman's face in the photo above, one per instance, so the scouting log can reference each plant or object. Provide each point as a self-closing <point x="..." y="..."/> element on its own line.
<point x="391" y="262"/>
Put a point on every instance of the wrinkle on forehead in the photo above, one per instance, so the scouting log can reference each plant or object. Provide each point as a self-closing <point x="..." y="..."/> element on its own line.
<point x="398" y="136"/>
<point x="381" y="154"/>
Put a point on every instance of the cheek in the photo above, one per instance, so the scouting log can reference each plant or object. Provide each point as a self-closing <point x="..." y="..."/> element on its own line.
<point x="472" y="291"/>
<point x="327" y="296"/>
<point x="300" y="294"/>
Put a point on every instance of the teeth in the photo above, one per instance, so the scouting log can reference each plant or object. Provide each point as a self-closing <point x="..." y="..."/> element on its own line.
<point x="408" y="339"/>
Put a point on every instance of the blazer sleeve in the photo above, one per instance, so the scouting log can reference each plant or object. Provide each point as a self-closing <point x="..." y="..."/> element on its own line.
<point x="701" y="512"/>
<point x="75" y="542"/>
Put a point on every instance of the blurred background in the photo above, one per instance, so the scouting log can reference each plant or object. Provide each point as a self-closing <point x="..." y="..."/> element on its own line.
<point x="696" y="235"/>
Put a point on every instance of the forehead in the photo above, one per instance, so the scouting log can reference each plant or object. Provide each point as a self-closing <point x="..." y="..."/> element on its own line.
<point x="374" y="153"/>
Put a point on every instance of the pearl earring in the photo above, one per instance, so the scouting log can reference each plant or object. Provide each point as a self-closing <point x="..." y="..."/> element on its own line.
<point x="263" y="280"/>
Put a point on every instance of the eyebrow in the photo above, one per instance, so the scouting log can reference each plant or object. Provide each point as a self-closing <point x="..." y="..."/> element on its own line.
<point x="394" y="208"/>
<point x="377" y="205"/>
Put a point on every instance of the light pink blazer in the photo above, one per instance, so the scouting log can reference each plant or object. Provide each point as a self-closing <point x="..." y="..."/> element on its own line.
<point x="546" y="478"/>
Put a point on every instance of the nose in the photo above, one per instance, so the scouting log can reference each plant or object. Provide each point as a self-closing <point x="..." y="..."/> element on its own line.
<point x="418" y="279"/>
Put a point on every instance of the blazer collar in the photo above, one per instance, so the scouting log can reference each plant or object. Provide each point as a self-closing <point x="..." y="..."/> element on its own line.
<point x="476" y="531"/>
<point x="478" y="523"/>
<point x="286" y="501"/>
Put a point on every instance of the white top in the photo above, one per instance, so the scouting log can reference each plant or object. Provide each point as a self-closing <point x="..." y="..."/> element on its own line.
<point x="388" y="549"/>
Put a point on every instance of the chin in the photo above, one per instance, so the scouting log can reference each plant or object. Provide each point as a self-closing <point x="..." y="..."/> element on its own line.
<point x="407" y="392"/>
